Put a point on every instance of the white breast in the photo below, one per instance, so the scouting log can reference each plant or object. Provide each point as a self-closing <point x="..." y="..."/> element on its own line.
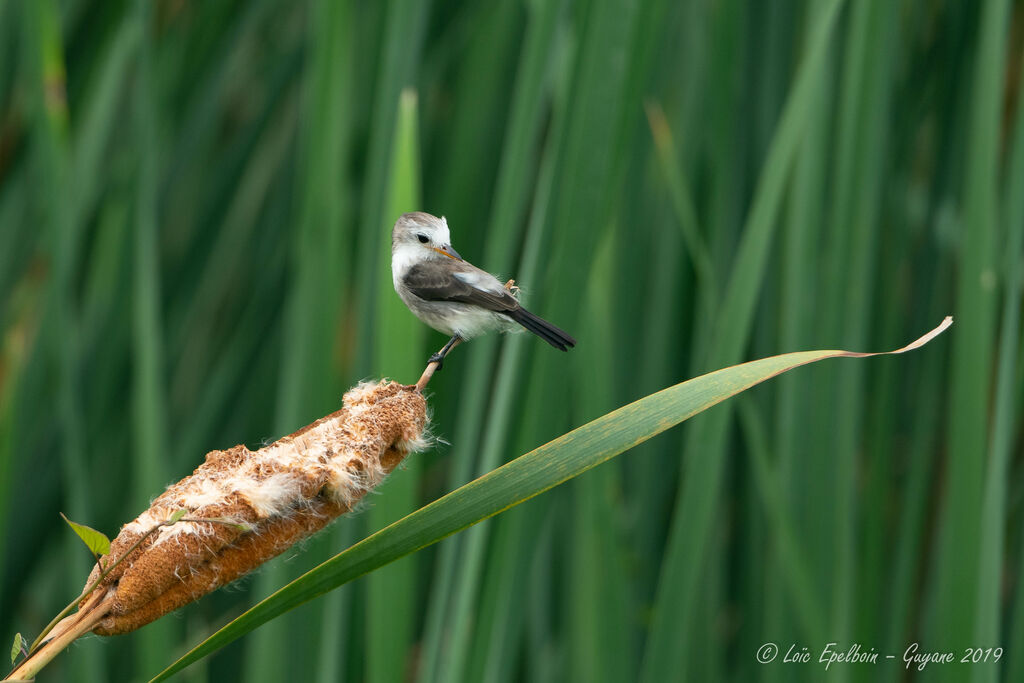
<point x="402" y="259"/>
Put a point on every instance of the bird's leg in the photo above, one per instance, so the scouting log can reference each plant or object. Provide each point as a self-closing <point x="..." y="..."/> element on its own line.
<point x="439" y="356"/>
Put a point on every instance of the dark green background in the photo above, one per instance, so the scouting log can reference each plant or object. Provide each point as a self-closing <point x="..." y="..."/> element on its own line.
<point x="195" y="203"/>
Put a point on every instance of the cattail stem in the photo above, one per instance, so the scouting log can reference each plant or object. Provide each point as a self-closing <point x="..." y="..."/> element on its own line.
<point x="84" y="621"/>
<point x="432" y="366"/>
<point x="428" y="372"/>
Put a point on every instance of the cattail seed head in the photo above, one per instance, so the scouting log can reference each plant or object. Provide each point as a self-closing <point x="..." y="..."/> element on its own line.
<point x="264" y="501"/>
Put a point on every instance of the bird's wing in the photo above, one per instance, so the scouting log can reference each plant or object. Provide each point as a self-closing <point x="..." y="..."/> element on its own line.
<point x="462" y="282"/>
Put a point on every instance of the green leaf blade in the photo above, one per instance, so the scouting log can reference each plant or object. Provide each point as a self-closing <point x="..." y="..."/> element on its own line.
<point x="521" y="479"/>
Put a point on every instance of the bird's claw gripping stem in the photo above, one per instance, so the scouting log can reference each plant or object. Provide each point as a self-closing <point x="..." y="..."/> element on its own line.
<point x="436" y="358"/>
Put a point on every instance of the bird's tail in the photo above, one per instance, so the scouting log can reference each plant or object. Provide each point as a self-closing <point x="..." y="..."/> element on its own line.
<point x="543" y="329"/>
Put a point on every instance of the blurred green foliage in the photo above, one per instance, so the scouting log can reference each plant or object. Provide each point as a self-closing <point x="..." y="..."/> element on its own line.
<point x="195" y="204"/>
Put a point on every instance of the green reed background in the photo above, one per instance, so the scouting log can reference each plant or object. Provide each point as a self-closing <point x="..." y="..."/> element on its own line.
<point x="195" y="203"/>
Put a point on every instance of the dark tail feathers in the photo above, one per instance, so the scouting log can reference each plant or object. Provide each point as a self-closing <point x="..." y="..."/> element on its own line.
<point x="543" y="329"/>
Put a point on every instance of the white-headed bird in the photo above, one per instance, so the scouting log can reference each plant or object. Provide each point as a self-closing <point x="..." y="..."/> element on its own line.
<point x="452" y="295"/>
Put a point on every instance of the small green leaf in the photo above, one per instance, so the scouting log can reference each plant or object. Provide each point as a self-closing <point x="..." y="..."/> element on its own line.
<point x="96" y="541"/>
<point x="177" y="516"/>
<point x="16" y="647"/>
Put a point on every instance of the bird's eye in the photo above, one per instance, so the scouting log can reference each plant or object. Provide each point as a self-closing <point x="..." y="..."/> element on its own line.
<point x="422" y="238"/>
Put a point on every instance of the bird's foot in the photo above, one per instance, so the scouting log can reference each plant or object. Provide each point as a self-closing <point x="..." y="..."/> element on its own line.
<point x="436" y="358"/>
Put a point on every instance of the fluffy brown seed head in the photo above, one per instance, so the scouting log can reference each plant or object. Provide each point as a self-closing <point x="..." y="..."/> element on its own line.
<point x="281" y="494"/>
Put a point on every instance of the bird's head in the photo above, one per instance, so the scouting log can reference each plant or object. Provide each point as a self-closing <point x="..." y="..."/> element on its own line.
<point x="423" y="236"/>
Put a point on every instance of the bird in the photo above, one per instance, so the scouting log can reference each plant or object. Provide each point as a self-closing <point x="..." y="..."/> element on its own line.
<point x="452" y="295"/>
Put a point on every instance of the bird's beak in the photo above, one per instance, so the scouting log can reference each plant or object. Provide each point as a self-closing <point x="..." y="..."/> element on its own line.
<point x="448" y="251"/>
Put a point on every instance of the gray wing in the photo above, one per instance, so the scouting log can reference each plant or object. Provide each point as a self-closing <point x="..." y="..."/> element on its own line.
<point x="461" y="282"/>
